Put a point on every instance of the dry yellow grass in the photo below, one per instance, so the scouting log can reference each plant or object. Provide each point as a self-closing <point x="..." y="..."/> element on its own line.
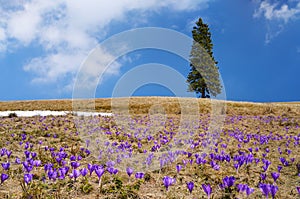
<point x="142" y="105"/>
<point x="152" y="187"/>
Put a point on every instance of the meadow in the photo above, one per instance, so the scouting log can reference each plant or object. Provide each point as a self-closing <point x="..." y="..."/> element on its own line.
<point x="255" y="154"/>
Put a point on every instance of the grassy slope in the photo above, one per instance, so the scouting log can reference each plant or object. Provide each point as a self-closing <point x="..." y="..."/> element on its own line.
<point x="152" y="186"/>
<point x="141" y="105"/>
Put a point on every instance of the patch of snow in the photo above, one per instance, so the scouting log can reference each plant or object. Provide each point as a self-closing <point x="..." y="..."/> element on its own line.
<point x="91" y="114"/>
<point x="53" y="113"/>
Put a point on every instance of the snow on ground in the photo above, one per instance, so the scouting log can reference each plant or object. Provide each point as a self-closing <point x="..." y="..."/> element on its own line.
<point x="46" y="113"/>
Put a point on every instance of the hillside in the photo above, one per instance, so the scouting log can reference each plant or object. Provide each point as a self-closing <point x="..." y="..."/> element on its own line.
<point x="252" y="153"/>
<point x="171" y="105"/>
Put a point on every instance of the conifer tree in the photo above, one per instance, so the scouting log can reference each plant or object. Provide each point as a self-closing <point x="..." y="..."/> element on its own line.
<point x="204" y="74"/>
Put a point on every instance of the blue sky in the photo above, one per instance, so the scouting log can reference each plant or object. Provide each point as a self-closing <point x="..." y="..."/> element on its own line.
<point x="44" y="42"/>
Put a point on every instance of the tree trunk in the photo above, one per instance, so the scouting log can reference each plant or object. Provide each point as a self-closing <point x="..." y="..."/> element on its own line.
<point x="203" y="92"/>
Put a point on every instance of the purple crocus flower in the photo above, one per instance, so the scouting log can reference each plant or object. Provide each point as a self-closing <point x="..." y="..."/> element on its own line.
<point x="228" y="181"/>
<point x="18" y="161"/>
<point x="3" y="152"/>
<point x="66" y="169"/>
<point x="23" y="136"/>
<point x="263" y="176"/>
<point x="178" y="167"/>
<point x="91" y="168"/>
<point x="112" y="170"/>
<point x="139" y="175"/>
<point x="168" y="181"/>
<point x="75" y="165"/>
<point x="5" y="165"/>
<point x="48" y="166"/>
<point x="273" y="190"/>
<point x="241" y="187"/>
<point x="265" y="168"/>
<point x="62" y="173"/>
<point x="8" y="153"/>
<point x="129" y="171"/>
<point x="184" y="161"/>
<point x="88" y="152"/>
<point x="110" y="163"/>
<point x="275" y="176"/>
<point x="249" y="190"/>
<point x="73" y="158"/>
<point x="37" y="163"/>
<point x="214" y="165"/>
<point x="190" y="186"/>
<point x="279" y="168"/>
<point x="52" y="174"/>
<point x="33" y="154"/>
<point x="298" y="189"/>
<point x="284" y="161"/>
<point x="207" y="189"/>
<point x="79" y="158"/>
<point x="200" y="160"/>
<point x="4" y="177"/>
<point x="99" y="171"/>
<point x="236" y="166"/>
<point x="257" y="160"/>
<point x="58" y="159"/>
<point x="30" y="161"/>
<point x="27" y="166"/>
<point x="83" y="171"/>
<point x="279" y="150"/>
<point x="265" y="189"/>
<point x="75" y="174"/>
<point x="27" y="154"/>
<point x="245" y="188"/>
<point x="267" y="163"/>
<point x="28" y="177"/>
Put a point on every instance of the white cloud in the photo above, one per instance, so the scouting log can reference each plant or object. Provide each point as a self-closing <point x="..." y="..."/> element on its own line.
<point x="273" y="31"/>
<point x="94" y="70"/>
<point x="277" y="15"/>
<point x="54" y="66"/>
<point x="23" y="26"/>
<point x="2" y="40"/>
<point x="2" y="34"/>
<point x="67" y="30"/>
<point x="272" y="12"/>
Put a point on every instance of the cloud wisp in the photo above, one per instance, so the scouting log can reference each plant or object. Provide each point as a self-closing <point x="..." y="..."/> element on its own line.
<point x="272" y="12"/>
<point x="277" y="16"/>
